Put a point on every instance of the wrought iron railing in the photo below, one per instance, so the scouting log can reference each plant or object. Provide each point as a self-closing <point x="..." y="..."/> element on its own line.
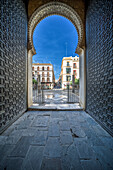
<point x="38" y="93"/>
<point x="42" y="95"/>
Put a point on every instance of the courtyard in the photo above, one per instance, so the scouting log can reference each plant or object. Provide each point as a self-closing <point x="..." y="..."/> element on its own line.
<point x="56" y="99"/>
<point x="56" y="140"/>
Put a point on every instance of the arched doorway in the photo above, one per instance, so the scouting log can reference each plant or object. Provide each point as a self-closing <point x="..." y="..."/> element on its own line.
<point x="56" y="8"/>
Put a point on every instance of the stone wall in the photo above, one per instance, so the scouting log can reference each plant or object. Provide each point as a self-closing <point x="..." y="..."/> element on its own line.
<point x="100" y="62"/>
<point x="13" y="60"/>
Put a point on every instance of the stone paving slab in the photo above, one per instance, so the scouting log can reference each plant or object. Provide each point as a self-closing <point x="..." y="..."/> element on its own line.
<point x="53" y="130"/>
<point x="52" y="148"/>
<point x="13" y="163"/>
<point x="108" y="141"/>
<point x="5" y="150"/>
<point x="41" y="121"/>
<point x="84" y="148"/>
<point x="35" y="156"/>
<point x="22" y="147"/>
<point x="12" y="140"/>
<point x="91" y="164"/>
<point x="3" y="140"/>
<point x="61" y="115"/>
<point x="54" y="140"/>
<point x="66" y="138"/>
<point x="70" y="158"/>
<point x="100" y="131"/>
<point x="39" y="138"/>
<point x="51" y="164"/>
<point x="26" y="165"/>
<point x="78" y="131"/>
<point x="105" y="156"/>
<point x="64" y="125"/>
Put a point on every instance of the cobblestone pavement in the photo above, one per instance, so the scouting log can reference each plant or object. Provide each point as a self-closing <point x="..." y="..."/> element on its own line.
<point x="56" y="140"/>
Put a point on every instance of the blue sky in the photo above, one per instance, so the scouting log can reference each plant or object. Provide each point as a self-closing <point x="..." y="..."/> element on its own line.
<point x="50" y="38"/>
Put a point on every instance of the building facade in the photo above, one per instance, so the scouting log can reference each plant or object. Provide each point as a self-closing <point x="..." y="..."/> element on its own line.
<point x="46" y="73"/>
<point x="70" y="67"/>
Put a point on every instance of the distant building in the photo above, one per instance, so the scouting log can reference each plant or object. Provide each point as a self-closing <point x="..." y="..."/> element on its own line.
<point x="70" y="66"/>
<point x="59" y="82"/>
<point x="46" y="73"/>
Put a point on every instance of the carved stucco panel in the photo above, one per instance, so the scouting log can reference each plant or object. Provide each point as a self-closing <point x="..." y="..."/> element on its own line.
<point x="55" y="8"/>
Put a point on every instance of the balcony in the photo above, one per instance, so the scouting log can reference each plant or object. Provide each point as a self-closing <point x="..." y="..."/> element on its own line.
<point x="68" y="72"/>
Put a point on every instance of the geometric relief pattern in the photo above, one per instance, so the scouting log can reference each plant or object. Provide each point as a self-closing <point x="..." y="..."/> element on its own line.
<point x="55" y="8"/>
<point x="13" y="56"/>
<point x="99" y="50"/>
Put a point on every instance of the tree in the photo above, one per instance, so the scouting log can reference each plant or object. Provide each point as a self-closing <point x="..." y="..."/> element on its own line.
<point x="70" y="82"/>
<point x="34" y="81"/>
<point x="76" y="81"/>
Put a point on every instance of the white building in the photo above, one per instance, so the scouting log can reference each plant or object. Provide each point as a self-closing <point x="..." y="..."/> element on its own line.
<point x="46" y="73"/>
<point x="70" y="67"/>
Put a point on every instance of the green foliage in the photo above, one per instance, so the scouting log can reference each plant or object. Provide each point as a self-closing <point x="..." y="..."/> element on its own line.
<point x="70" y="82"/>
<point x="76" y="81"/>
<point x="34" y="81"/>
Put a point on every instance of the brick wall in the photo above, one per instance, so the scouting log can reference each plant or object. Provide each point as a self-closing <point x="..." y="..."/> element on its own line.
<point x="13" y="56"/>
<point x="99" y="56"/>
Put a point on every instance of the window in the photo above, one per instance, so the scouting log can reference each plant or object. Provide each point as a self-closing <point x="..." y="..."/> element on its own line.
<point x="74" y="72"/>
<point x="37" y="73"/>
<point x="48" y="74"/>
<point x="74" y="65"/>
<point x="37" y="68"/>
<point x="48" y="68"/>
<point x="68" y="78"/>
<point x="33" y="68"/>
<point x="47" y="79"/>
<point x="43" y="79"/>
<point x="67" y="63"/>
<point x="68" y="70"/>
<point x="43" y="74"/>
<point x="42" y="68"/>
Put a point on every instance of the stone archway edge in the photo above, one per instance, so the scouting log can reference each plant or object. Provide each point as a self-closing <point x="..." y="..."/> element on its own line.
<point x="54" y="8"/>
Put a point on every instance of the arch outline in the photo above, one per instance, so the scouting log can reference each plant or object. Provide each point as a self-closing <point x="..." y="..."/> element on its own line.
<point x="54" y="8"/>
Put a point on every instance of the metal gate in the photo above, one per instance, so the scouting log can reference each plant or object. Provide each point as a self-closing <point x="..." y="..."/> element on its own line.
<point x="52" y="96"/>
<point x="72" y="94"/>
<point x="38" y="94"/>
<point x="55" y="96"/>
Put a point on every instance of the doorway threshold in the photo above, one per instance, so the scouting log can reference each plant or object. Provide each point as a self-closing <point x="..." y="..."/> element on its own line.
<point x="55" y="107"/>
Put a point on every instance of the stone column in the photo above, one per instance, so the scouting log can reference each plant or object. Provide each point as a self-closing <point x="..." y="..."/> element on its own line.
<point x="30" y="54"/>
<point x="82" y="79"/>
